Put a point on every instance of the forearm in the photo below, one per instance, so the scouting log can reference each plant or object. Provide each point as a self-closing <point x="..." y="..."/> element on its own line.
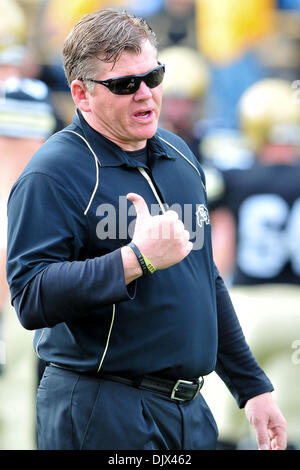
<point x="235" y="363"/>
<point x="68" y="290"/>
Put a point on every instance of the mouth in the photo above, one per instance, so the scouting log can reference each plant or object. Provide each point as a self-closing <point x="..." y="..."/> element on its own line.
<point x="144" y="115"/>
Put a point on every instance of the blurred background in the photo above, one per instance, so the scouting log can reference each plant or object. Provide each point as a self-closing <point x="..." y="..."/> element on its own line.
<point x="232" y="91"/>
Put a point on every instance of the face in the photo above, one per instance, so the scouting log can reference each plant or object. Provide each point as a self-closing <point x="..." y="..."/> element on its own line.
<point x="127" y="120"/>
<point x="177" y="115"/>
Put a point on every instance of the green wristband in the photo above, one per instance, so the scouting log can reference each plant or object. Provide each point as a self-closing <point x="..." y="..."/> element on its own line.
<point x="146" y="265"/>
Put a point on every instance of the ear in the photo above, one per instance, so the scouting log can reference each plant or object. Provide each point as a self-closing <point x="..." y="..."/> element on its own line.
<point x="80" y="95"/>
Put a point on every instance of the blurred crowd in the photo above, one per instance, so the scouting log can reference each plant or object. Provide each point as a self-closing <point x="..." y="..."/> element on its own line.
<point x="232" y="91"/>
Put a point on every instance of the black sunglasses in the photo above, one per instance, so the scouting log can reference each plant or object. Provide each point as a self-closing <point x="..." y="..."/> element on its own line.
<point x="129" y="84"/>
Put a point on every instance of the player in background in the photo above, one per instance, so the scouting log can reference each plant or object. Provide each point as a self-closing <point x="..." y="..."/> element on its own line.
<point x="185" y="85"/>
<point x="26" y="121"/>
<point x="258" y="220"/>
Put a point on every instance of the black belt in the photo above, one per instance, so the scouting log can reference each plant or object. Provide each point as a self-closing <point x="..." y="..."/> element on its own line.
<point x="180" y="390"/>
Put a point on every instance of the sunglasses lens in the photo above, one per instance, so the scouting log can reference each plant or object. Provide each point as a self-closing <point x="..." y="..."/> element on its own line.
<point x="124" y="86"/>
<point x="128" y="86"/>
<point x="154" y="78"/>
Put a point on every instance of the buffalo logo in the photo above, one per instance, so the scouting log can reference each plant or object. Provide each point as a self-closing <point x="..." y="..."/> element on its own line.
<point x="202" y="215"/>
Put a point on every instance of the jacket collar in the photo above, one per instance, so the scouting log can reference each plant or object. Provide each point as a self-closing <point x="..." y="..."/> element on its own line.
<point x="110" y="154"/>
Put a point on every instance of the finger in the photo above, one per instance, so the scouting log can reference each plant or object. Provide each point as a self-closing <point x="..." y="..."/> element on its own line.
<point x="189" y="247"/>
<point x="179" y="231"/>
<point x="186" y="235"/>
<point x="140" y="205"/>
<point x="171" y="214"/>
<point x="262" y="436"/>
<point x="278" y="438"/>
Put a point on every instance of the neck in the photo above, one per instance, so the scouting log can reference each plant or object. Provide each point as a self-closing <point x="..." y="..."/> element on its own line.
<point x="108" y="133"/>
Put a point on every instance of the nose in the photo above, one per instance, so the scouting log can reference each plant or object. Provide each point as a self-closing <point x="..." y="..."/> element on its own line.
<point x="143" y="92"/>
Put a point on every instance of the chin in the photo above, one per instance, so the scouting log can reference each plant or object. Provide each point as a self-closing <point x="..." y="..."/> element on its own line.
<point x="145" y="134"/>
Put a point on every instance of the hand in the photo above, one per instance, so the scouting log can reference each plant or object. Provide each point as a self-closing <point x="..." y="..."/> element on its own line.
<point x="268" y="422"/>
<point x="161" y="238"/>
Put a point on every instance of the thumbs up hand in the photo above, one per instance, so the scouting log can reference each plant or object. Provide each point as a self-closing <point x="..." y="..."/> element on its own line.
<point x="161" y="238"/>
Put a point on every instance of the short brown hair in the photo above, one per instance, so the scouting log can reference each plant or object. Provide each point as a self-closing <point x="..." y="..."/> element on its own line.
<point x="103" y="35"/>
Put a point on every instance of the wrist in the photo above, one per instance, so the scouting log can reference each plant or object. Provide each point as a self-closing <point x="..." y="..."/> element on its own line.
<point x="131" y="266"/>
<point x="146" y="265"/>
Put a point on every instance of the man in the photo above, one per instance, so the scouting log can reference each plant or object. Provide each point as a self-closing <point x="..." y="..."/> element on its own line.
<point x="128" y="317"/>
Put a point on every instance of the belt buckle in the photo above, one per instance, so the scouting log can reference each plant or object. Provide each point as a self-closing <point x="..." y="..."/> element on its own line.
<point x="189" y="382"/>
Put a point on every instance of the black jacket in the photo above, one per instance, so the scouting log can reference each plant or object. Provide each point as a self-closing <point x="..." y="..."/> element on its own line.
<point x="68" y="218"/>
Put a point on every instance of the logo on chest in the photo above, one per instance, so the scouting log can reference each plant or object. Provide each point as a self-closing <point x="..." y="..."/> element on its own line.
<point x="202" y="215"/>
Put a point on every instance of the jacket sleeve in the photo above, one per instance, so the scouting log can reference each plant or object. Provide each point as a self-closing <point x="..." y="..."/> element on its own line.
<point x="236" y="365"/>
<point x="49" y="278"/>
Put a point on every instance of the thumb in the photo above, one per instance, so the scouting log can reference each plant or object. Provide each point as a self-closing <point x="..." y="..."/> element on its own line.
<point x="140" y="205"/>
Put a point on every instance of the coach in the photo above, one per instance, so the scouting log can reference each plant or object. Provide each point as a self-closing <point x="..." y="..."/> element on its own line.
<point x="128" y="319"/>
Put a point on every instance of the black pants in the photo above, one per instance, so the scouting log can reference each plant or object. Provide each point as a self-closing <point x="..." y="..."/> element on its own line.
<point x="76" y="411"/>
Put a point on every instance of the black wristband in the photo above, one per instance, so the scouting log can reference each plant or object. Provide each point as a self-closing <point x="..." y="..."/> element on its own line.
<point x="139" y="256"/>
